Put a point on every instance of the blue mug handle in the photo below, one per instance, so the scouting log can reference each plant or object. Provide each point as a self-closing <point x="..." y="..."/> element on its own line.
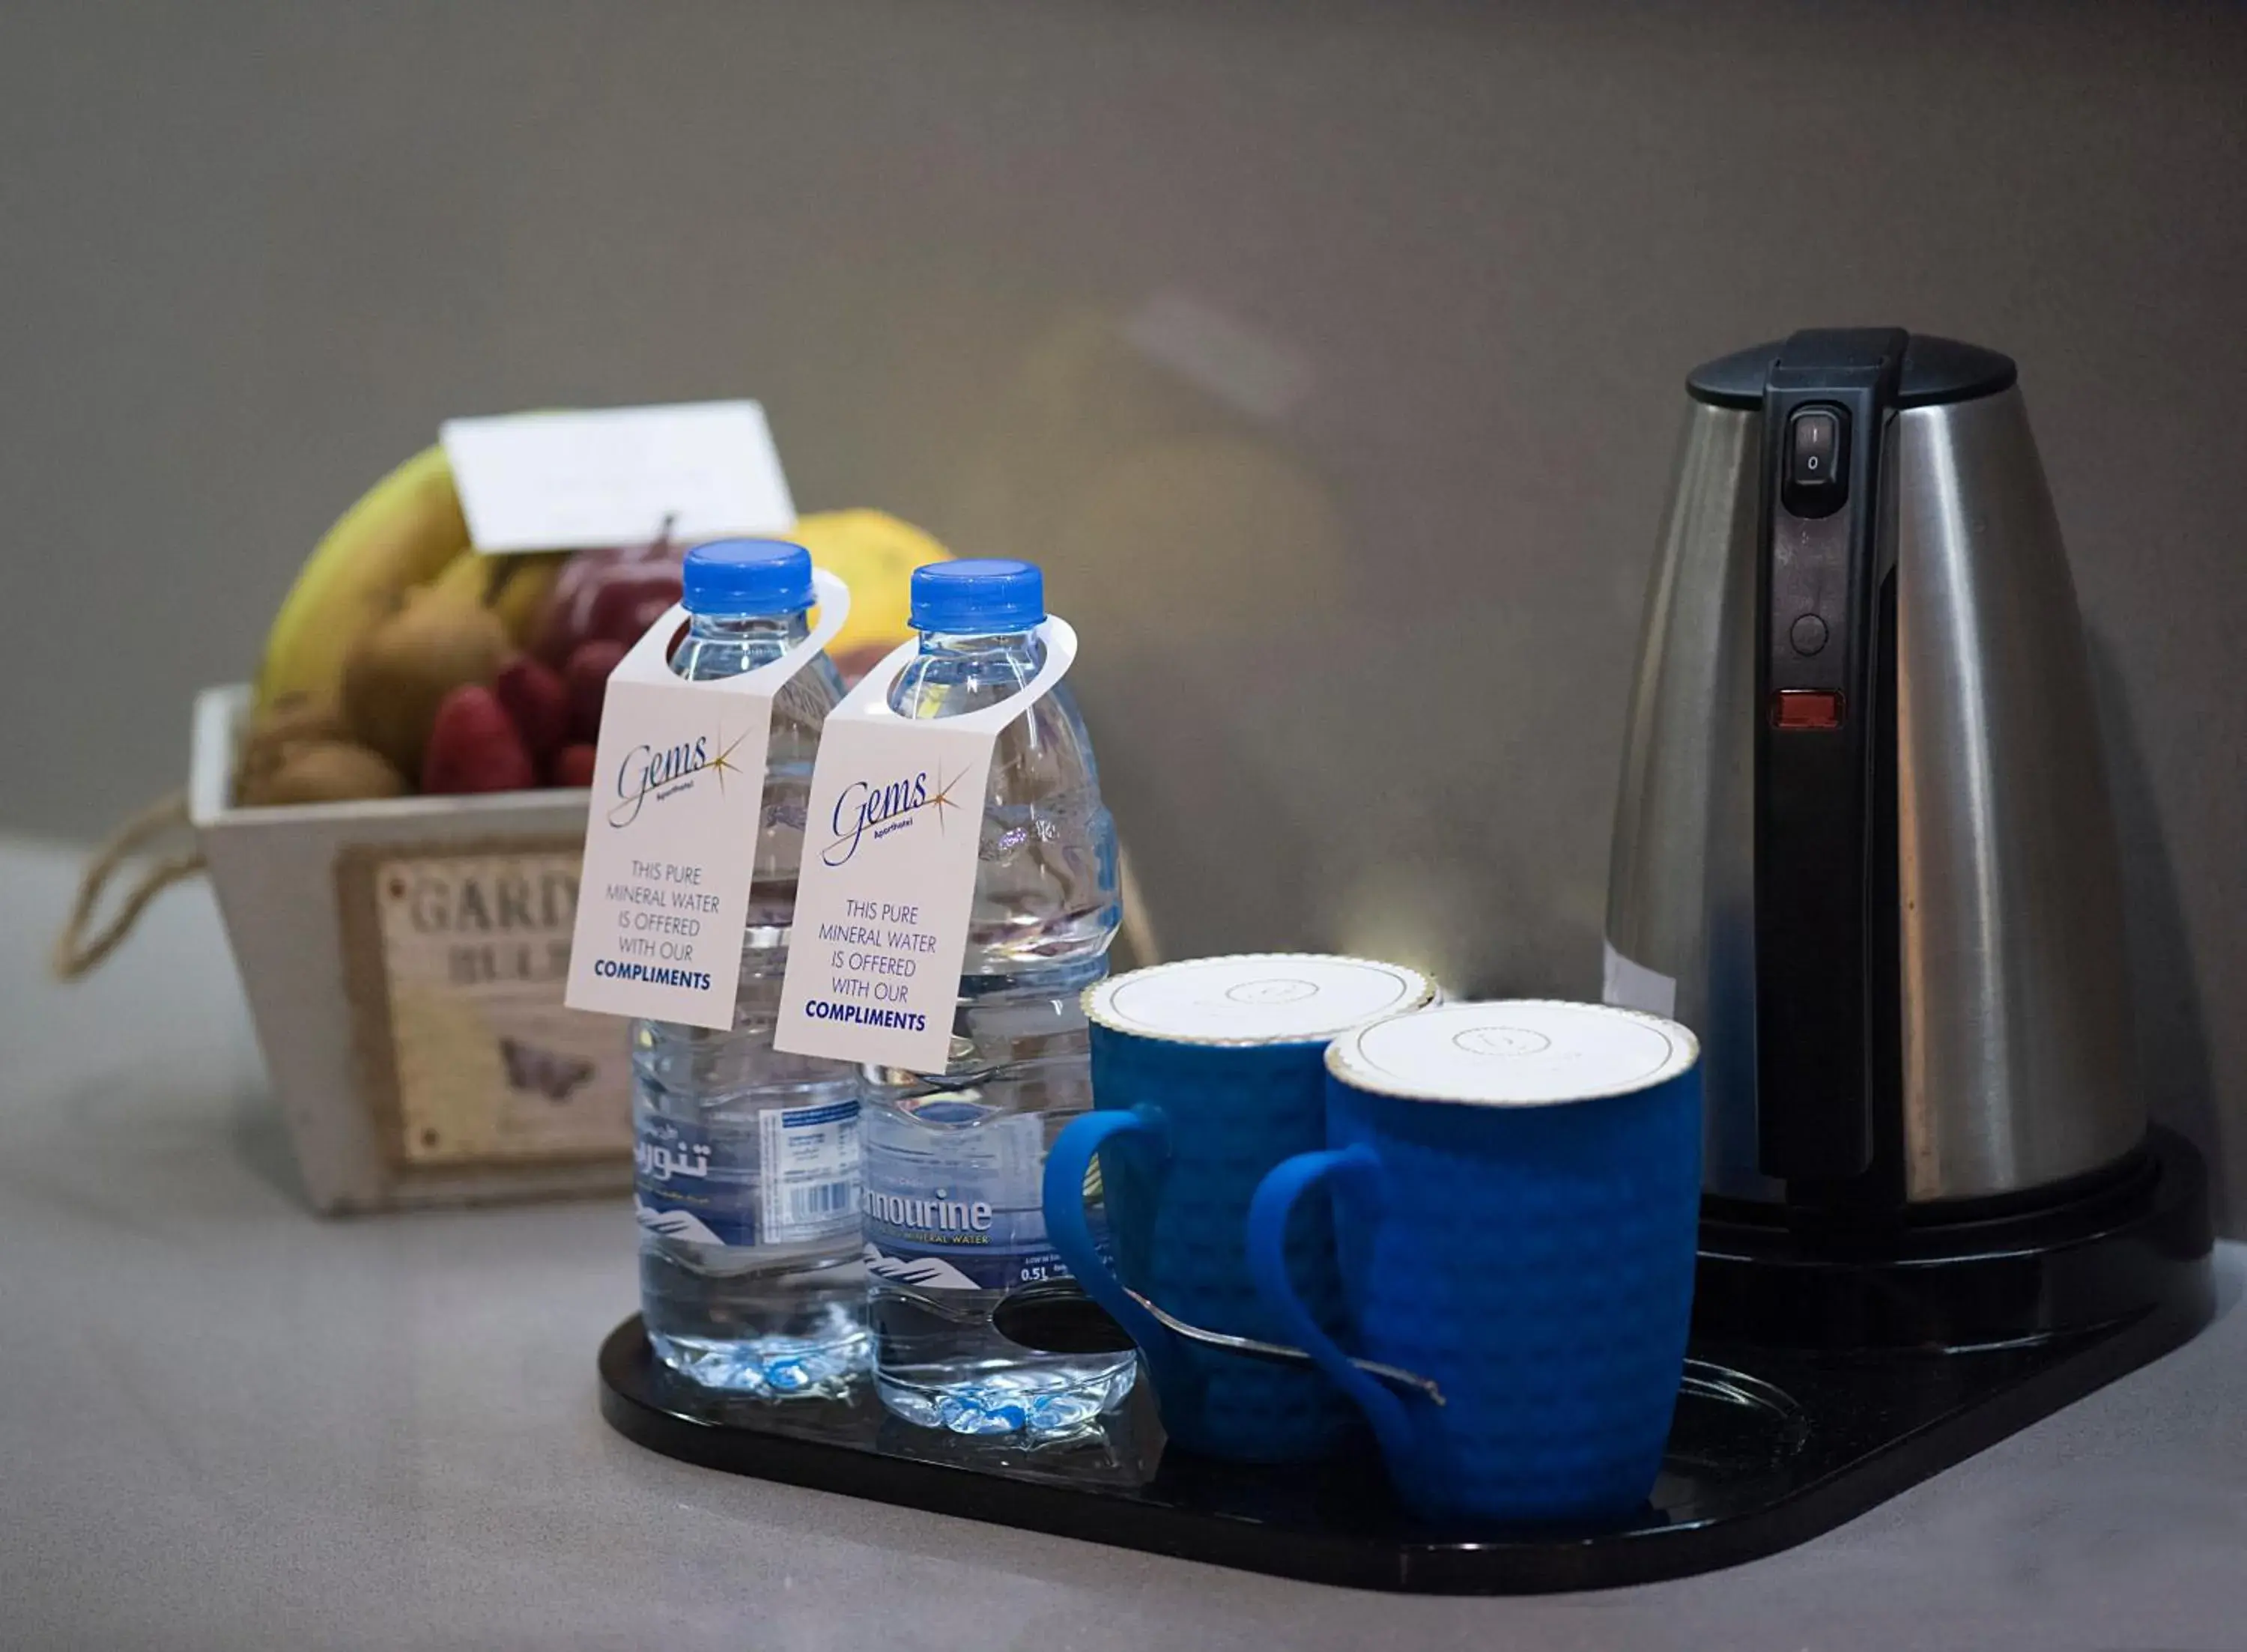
<point x="1069" y="1161"/>
<point x="1267" y="1262"/>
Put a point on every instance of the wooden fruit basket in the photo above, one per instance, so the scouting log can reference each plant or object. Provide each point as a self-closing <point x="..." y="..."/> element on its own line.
<point x="403" y="960"/>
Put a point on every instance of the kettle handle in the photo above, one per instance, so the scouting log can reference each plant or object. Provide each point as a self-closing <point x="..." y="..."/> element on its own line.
<point x="1826" y="401"/>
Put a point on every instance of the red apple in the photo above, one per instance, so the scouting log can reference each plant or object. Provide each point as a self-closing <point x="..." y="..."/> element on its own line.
<point x="609" y="595"/>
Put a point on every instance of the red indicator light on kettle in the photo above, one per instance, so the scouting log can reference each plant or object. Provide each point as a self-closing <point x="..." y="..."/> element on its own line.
<point x="1805" y="709"/>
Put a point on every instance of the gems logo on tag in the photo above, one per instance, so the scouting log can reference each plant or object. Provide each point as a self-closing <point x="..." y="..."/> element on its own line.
<point x="671" y="834"/>
<point x="665" y="772"/>
<point x="882" y="909"/>
<point x="882" y="810"/>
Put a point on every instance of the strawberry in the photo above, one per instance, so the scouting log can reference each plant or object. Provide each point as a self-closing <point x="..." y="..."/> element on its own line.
<point x="535" y="698"/>
<point x="572" y="766"/>
<point x="474" y="747"/>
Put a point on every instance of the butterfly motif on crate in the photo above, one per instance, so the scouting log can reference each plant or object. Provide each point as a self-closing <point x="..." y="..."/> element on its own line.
<point x="549" y="1072"/>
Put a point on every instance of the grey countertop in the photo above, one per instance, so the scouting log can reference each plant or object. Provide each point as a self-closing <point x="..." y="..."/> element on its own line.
<point x="225" y="1424"/>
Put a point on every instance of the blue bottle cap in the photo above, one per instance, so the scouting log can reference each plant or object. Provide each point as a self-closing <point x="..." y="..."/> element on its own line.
<point x="746" y="576"/>
<point x="977" y="596"/>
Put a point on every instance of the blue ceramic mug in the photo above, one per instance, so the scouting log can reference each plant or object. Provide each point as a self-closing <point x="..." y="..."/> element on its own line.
<point x="1515" y="1189"/>
<point x="1204" y="1076"/>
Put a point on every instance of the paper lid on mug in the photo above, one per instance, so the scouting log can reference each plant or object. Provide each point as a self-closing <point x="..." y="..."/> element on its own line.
<point x="1256" y="998"/>
<point x="1513" y="1052"/>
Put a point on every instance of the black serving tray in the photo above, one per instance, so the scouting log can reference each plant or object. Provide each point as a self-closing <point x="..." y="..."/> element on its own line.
<point x="1772" y="1444"/>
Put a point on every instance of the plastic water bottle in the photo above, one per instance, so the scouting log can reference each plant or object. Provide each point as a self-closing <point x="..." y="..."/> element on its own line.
<point x="747" y="1188"/>
<point x="954" y="1160"/>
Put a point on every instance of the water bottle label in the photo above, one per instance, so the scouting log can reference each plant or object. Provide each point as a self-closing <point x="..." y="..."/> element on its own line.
<point x="810" y="1182"/>
<point x="882" y="909"/>
<point x="939" y="1224"/>
<point x="793" y="1178"/>
<point x="695" y="1185"/>
<point x="671" y="836"/>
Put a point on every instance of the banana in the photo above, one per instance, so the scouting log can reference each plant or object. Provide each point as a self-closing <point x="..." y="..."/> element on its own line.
<point x="525" y="585"/>
<point x="467" y="577"/>
<point x="402" y="532"/>
<point x="515" y="586"/>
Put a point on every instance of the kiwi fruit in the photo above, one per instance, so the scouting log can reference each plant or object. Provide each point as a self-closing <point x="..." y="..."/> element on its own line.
<point x="327" y="771"/>
<point x="395" y="675"/>
<point x="276" y="731"/>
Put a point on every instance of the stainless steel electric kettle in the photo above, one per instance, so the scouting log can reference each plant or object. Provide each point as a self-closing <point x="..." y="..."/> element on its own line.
<point x="1863" y="845"/>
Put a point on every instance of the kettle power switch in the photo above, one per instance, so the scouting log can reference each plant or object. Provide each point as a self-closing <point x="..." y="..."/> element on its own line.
<point x="1816" y="435"/>
<point x="1814" y="477"/>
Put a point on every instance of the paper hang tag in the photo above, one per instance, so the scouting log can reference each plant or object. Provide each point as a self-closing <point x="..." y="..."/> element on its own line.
<point x="671" y="837"/>
<point x="888" y="882"/>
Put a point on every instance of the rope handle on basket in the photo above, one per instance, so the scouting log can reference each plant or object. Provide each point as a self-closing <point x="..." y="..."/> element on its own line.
<point x="77" y="951"/>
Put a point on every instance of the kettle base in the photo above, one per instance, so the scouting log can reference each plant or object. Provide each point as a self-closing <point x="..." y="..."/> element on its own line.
<point x="2134" y="1241"/>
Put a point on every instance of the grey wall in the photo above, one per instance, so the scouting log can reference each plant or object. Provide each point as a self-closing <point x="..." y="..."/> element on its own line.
<point x="1359" y="589"/>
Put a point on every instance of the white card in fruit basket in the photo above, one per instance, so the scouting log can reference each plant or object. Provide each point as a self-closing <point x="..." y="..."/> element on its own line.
<point x="615" y="476"/>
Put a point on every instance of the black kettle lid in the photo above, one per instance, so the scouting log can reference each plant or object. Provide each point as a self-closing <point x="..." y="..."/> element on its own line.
<point x="1934" y="371"/>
